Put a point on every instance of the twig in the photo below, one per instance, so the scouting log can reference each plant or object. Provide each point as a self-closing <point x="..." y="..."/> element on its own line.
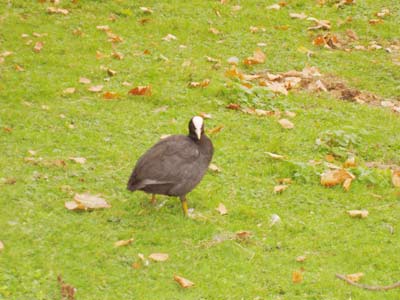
<point x="369" y="287"/>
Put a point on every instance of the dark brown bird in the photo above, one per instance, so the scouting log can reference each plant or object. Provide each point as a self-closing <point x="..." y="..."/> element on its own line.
<point x="175" y="165"/>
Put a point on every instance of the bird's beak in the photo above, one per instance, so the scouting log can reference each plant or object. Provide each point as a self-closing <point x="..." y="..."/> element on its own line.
<point x="198" y="133"/>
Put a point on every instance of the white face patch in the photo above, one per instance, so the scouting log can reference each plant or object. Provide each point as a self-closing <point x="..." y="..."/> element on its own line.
<point x="197" y="122"/>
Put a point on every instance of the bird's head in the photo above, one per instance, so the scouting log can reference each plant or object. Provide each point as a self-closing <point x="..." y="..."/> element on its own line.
<point x="196" y="127"/>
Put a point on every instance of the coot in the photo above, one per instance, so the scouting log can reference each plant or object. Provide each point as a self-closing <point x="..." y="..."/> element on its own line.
<point x="175" y="165"/>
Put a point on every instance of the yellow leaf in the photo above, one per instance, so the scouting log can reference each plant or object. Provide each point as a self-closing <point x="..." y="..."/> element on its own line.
<point x="334" y="177"/>
<point x="257" y="58"/>
<point x="297" y="277"/>
<point x="1" y="245"/>
<point x="275" y="156"/>
<point x="358" y="213"/>
<point x="396" y="178"/>
<point x="355" y="277"/>
<point x="280" y="188"/>
<point x="222" y="209"/>
<point x="123" y="242"/>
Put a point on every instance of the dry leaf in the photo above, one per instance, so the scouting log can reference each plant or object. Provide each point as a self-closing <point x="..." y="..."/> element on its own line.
<point x="141" y="91"/>
<point x="355" y="277"/>
<point x="214" y="30"/>
<point x="280" y="188"/>
<point x="185" y="283"/>
<point x="146" y="10"/>
<point x="334" y="177"/>
<point x="70" y="90"/>
<point x="159" y="256"/>
<point x="300" y="16"/>
<point x="169" y="37"/>
<point x="257" y="58"/>
<point x="233" y="106"/>
<point x="396" y="178"/>
<point x="347" y="184"/>
<point x="95" y="88"/>
<point x="233" y="60"/>
<point x="104" y="28"/>
<point x="56" y="10"/>
<point x="274" y="7"/>
<point x="215" y="129"/>
<point x="358" y="213"/>
<point x="111" y="72"/>
<point x="297" y="277"/>
<point x="275" y="156"/>
<point x="350" y="162"/>
<point x="110" y="95"/>
<point x="86" y="202"/>
<point x="214" y="168"/>
<point x="203" y="83"/>
<point x="84" y="80"/>
<point x="285" y="123"/>
<point x="79" y="160"/>
<point x="123" y="242"/>
<point x="375" y="21"/>
<point x="290" y="114"/>
<point x="67" y="290"/>
<point x="301" y="258"/>
<point x="319" y="24"/>
<point x="117" y="55"/>
<point x="1" y="246"/>
<point x="19" y="68"/>
<point x="38" y="47"/>
<point x="205" y="115"/>
<point x="243" y="235"/>
<point x="351" y="34"/>
<point x="136" y="265"/>
<point x="222" y="209"/>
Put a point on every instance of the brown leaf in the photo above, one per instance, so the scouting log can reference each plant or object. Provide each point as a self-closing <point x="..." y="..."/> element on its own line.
<point x="396" y="178"/>
<point x="95" y="88"/>
<point x="123" y="242"/>
<point x="84" y="80"/>
<point x="243" y="235"/>
<point x="169" y="37"/>
<point x="297" y="277"/>
<point x="222" y="209"/>
<point x="233" y="106"/>
<point x="257" y="58"/>
<point x="285" y="123"/>
<point x="111" y="72"/>
<point x="104" y="28"/>
<point x="350" y="162"/>
<point x="159" y="256"/>
<point x="69" y="90"/>
<point x="280" y="188"/>
<point x="214" y="168"/>
<point x="86" y="202"/>
<point x="110" y="95"/>
<point x="202" y="84"/>
<point x="351" y="34"/>
<point x="183" y="282"/>
<point x="56" y="10"/>
<point x="319" y="24"/>
<point x="205" y="115"/>
<point x="358" y="213"/>
<point x="38" y="47"/>
<point x="214" y="30"/>
<point x="375" y="21"/>
<point x="1" y="246"/>
<point x="355" y="277"/>
<point x="117" y="55"/>
<point x="215" y="129"/>
<point x="18" y="68"/>
<point x="141" y="91"/>
<point x="146" y="10"/>
<point x="79" y="160"/>
<point x="67" y="290"/>
<point x="136" y="265"/>
<point x="333" y="177"/>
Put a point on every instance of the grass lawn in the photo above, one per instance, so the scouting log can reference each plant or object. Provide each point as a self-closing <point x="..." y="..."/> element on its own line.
<point x="43" y="239"/>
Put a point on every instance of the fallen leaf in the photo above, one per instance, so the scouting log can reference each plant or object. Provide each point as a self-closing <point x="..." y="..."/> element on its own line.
<point x="396" y="178"/>
<point x="95" y="88"/>
<point x="215" y="129"/>
<point x="203" y="83"/>
<point x="1" y="246"/>
<point x="297" y="277"/>
<point x="300" y="16"/>
<point x="169" y="37"/>
<point x="67" y="290"/>
<point x="257" y="58"/>
<point x="79" y="160"/>
<point x="233" y="60"/>
<point x="274" y="7"/>
<point x="185" y="283"/>
<point x="347" y="184"/>
<point x="233" y="106"/>
<point x="6" y="53"/>
<point x="111" y="72"/>
<point x="355" y="277"/>
<point x="38" y="47"/>
<point x="123" y="242"/>
<point x="110" y="95"/>
<point x="280" y="188"/>
<point x="319" y="24"/>
<point x="358" y="213"/>
<point x="383" y="13"/>
<point x="214" y="30"/>
<point x="285" y="123"/>
<point x="84" y="80"/>
<point x="19" y="68"/>
<point x="70" y="90"/>
<point x="56" y="10"/>
<point x="86" y="202"/>
<point x="375" y="21"/>
<point x="214" y="168"/>
<point x="159" y="256"/>
<point x="205" y="115"/>
<point x="146" y="10"/>
<point x="136" y="265"/>
<point x="333" y="177"/>
<point x="117" y="55"/>
<point x="351" y="34"/>
<point x="301" y="258"/>
<point x="104" y="28"/>
<point x="141" y="91"/>
<point x="243" y="235"/>
<point x="222" y="209"/>
<point x="290" y="114"/>
<point x="350" y="162"/>
<point x="275" y="156"/>
<point x="163" y="108"/>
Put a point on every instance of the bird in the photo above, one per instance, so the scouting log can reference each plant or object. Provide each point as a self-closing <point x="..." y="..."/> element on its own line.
<point x="175" y="165"/>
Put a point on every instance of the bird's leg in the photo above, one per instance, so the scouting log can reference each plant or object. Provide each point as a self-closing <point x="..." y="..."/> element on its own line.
<point x="153" y="199"/>
<point x="184" y="205"/>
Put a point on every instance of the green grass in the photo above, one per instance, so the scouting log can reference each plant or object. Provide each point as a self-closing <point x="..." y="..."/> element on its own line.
<point x="42" y="239"/>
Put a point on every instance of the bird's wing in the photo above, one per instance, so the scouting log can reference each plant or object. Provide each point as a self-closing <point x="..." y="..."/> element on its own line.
<point x="168" y="161"/>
